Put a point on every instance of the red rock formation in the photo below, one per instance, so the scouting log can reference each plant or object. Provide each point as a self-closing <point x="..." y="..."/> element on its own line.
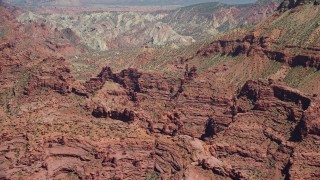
<point x="96" y="83"/>
<point x="311" y="120"/>
<point x="127" y="78"/>
<point x="143" y="89"/>
<point x="190" y="74"/>
<point x="252" y="45"/>
<point x="179" y="128"/>
<point x="64" y="158"/>
<point x="125" y="116"/>
<point x="52" y="73"/>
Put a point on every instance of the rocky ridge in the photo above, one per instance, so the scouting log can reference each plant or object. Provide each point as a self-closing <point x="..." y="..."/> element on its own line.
<point x="271" y="103"/>
<point x="109" y="30"/>
<point x="209" y="19"/>
<point x="117" y="30"/>
<point x="150" y="125"/>
<point x="289" y="4"/>
<point x="258" y="46"/>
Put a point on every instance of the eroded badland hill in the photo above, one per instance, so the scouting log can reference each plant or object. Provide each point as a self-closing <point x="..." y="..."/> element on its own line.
<point x="243" y="105"/>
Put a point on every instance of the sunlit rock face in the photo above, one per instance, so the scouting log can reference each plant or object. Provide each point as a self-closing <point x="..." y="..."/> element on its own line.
<point x="109" y="30"/>
<point x="242" y="106"/>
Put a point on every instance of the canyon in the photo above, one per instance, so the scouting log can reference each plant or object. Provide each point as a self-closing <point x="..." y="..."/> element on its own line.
<point x="244" y="105"/>
<point x="117" y="29"/>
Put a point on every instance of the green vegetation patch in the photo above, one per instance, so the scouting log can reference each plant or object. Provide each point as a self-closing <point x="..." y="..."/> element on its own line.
<point x="298" y="75"/>
<point x="153" y="176"/>
<point x="5" y="97"/>
<point x="213" y="61"/>
<point x="2" y="33"/>
<point x="272" y="68"/>
<point x="298" y="27"/>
